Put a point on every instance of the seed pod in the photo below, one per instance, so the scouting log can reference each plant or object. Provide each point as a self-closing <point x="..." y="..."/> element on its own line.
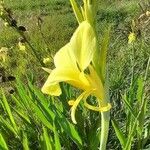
<point x="2" y="79"/>
<point x="13" y="23"/>
<point x="11" y="90"/>
<point x="11" y="78"/>
<point x="22" y="28"/>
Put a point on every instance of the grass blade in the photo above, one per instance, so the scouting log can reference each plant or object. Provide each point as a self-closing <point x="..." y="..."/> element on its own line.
<point x="119" y="133"/>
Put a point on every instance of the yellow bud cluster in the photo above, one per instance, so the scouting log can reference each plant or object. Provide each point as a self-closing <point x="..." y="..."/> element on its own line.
<point x="21" y="46"/>
<point x="46" y="60"/>
<point x="131" y="37"/>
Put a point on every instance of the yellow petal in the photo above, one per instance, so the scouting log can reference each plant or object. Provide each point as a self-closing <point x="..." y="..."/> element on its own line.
<point x="51" y="89"/>
<point x="69" y="75"/>
<point x="96" y="83"/>
<point x="64" y="58"/>
<point x="84" y="96"/>
<point x="83" y="44"/>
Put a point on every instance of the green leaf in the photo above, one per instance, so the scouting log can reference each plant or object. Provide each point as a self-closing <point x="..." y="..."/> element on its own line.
<point x="7" y="125"/>
<point x="25" y="141"/>
<point x="22" y="94"/>
<point x="103" y="52"/>
<point x="46" y="139"/>
<point x="63" y="122"/>
<point x="3" y="145"/>
<point x="100" y="56"/>
<point x="42" y="102"/>
<point x="140" y="90"/>
<point x="23" y="117"/>
<point x="39" y="106"/>
<point x="40" y="114"/>
<point x="127" y="104"/>
<point x="8" y="111"/>
<point x="56" y="138"/>
<point x="77" y="11"/>
<point x="94" y="138"/>
<point x="69" y="128"/>
<point x="141" y="118"/>
<point x="119" y="133"/>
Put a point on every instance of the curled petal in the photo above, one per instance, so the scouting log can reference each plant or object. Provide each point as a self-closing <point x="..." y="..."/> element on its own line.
<point x="71" y="102"/>
<point x="100" y="109"/>
<point x="84" y="95"/>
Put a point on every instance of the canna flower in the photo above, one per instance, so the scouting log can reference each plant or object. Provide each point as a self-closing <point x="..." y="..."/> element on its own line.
<point x="131" y="37"/>
<point x="73" y="64"/>
<point x="3" y="53"/>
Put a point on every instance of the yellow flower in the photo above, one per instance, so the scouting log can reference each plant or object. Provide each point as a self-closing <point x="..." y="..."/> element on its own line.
<point x="73" y="64"/>
<point x="3" y="53"/>
<point x="46" y="60"/>
<point x="21" y="46"/>
<point x="131" y="37"/>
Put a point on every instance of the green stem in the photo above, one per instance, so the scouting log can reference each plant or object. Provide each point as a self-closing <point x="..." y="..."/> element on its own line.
<point x="32" y="48"/>
<point x="105" y="118"/>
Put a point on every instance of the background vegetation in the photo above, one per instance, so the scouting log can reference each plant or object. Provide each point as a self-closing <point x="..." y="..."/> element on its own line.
<point x="31" y="120"/>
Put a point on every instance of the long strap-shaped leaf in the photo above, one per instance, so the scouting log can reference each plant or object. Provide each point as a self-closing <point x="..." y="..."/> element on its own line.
<point x="77" y="11"/>
<point x="3" y="144"/>
<point x="119" y="133"/>
<point x="8" y="111"/>
<point x="25" y="141"/>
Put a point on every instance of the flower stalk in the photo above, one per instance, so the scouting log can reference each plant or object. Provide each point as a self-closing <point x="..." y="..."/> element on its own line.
<point x="105" y="118"/>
